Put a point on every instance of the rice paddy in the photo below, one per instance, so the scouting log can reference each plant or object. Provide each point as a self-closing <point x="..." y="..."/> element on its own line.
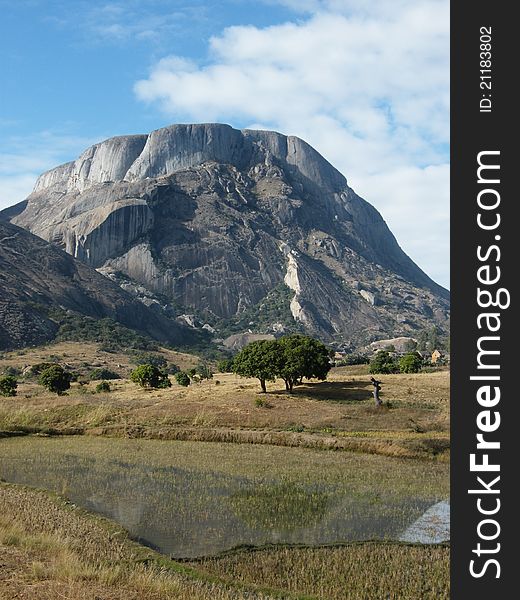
<point x="200" y="498"/>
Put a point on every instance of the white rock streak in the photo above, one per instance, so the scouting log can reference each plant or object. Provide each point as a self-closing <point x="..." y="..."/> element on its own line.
<point x="292" y="281"/>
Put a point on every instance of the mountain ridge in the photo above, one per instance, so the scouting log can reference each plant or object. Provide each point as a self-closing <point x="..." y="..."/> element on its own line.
<point x="214" y="218"/>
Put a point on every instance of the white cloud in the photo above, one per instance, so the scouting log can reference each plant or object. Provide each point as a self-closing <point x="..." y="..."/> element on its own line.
<point x="367" y="84"/>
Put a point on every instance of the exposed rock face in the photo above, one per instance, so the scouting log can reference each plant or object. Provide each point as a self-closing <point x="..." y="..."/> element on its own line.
<point x="35" y="276"/>
<point x="213" y="218"/>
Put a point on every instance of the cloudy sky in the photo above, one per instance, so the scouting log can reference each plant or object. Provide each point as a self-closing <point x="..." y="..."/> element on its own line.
<point x="365" y="82"/>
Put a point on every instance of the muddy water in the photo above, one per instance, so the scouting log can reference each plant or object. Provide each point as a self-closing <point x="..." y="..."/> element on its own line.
<point x="189" y="511"/>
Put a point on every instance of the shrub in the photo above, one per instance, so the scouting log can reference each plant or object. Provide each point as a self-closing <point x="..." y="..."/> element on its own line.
<point x="183" y="378"/>
<point x="37" y="369"/>
<point x="150" y="376"/>
<point x="103" y="373"/>
<point x="410" y="363"/>
<point x="8" y="385"/>
<point x="383" y="362"/>
<point x="55" y="379"/>
<point x="12" y="371"/>
<point x="103" y="386"/>
<point x="262" y="403"/>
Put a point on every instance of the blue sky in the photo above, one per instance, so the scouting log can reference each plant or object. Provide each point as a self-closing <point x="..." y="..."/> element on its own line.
<point x="366" y="83"/>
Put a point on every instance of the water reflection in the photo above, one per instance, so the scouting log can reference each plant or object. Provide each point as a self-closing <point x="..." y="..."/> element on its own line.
<point x="191" y="512"/>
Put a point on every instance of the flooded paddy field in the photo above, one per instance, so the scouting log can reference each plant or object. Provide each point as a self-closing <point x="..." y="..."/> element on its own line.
<point x="193" y="499"/>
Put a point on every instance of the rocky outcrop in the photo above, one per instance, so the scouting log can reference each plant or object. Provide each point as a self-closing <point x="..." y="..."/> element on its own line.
<point x="36" y="277"/>
<point x="212" y="219"/>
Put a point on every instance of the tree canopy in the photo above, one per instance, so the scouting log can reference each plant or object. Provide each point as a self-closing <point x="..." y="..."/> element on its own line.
<point x="8" y="385"/>
<point x="291" y="357"/>
<point x="410" y="363"/>
<point x="150" y="376"/>
<point x="55" y="379"/>
<point x="383" y="362"/>
<point x="302" y="356"/>
<point x="258" y="359"/>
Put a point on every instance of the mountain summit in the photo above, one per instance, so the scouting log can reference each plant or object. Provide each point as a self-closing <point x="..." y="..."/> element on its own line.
<point x="242" y="230"/>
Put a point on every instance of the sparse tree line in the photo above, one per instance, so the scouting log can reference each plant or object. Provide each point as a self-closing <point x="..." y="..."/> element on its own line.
<point x="291" y="358"/>
<point x="57" y="379"/>
<point x="385" y="362"/>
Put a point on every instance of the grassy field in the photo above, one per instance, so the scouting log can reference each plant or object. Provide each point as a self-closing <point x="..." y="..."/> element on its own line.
<point x="264" y="454"/>
<point x="51" y="549"/>
<point x="338" y="413"/>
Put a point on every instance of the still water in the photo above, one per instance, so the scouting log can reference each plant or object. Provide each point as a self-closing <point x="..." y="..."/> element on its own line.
<point x="193" y="508"/>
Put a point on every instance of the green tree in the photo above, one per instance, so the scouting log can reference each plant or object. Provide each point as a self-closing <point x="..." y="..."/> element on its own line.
<point x="8" y="385"/>
<point x="302" y="356"/>
<point x="183" y="378"/>
<point x="225" y="365"/>
<point x="258" y="359"/>
<point x="150" y="376"/>
<point x="383" y="362"/>
<point x="410" y="363"/>
<point x="55" y="379"/>
<point x="204" y="371"/>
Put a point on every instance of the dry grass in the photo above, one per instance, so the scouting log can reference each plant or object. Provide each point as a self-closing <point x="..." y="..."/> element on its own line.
<point x="365" y="571"/>
<point x="338" y="413"/>
<point x="80" y="357"/>
<point x="53" y="550"/>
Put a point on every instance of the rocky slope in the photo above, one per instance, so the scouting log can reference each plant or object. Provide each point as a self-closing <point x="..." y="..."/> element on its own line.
<point x="214" y="219"/>
<point x="35" y="276"/>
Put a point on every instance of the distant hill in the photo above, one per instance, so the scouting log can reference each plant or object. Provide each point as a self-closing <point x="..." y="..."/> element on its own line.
<point x="37" y="278"/>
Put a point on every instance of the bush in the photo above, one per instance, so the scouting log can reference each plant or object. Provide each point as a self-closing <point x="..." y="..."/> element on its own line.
<point x="383" y="362"/>
<point x="37" y="369"/>
<point x="12" y="371"/>
<point x="103" y="386"/>
<point x="8" y="385"/>
<point x="262" y="403"/>
<point x="150" y="376"/>
<point x="111" y="335"/>
<point x="103" y="373"/>
<point x="183" y="378"/>
<point x="55" y="379"/>
<point x="410" y="363"/>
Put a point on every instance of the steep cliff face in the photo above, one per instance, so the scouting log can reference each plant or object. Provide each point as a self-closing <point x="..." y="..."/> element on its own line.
<point x="36" y="276"/>
<point x="214" y="218"/>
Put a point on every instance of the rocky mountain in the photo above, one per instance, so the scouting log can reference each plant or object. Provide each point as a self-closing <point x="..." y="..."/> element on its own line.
<point x="240" y="230"/>
<point x="37" y="277"/>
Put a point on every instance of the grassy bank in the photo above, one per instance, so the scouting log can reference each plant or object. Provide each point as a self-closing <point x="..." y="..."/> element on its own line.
<point x="52" y="549"/>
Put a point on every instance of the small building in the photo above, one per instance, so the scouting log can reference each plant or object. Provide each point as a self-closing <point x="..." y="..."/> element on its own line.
<point x="436" y="355"/>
